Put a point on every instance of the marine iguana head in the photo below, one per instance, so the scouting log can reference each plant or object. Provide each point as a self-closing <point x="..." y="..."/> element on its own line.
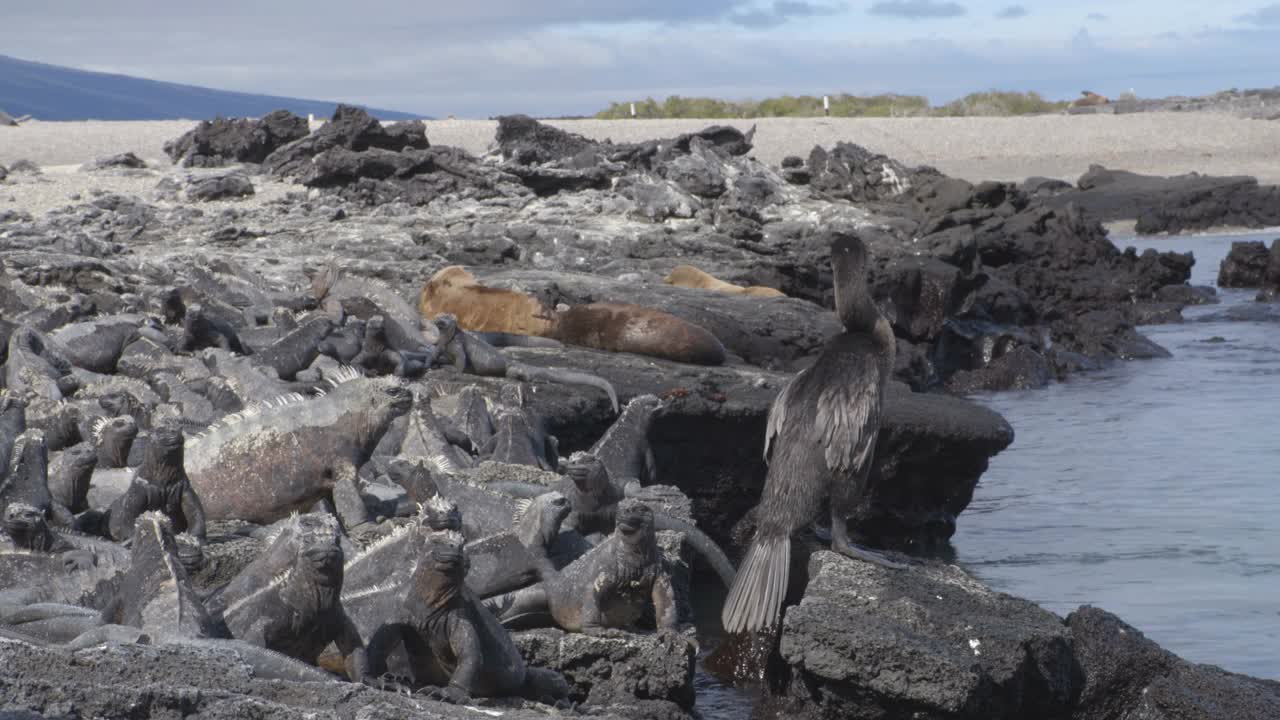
<point x="538" y="523"/>
<point x="512" y="395"/>
<point x="119" y="402"/>
<point x="438" y="514"/>
<point x="442" y="568"/>
<point x="27" y="526"/>
<point x="372" y="404"/>
<point x="641" y="408"/>
<point x="447" y="325"/>
<point x="113" y="437"/>
<point x="163" y="464"/>
<point x="190" y="551"/>
<point x="319" y="552"/>
<point x="853" y="302"/>
<point x="28" y="472"/>
<point x="635" y="525"/>
<point x="590" y="476"/>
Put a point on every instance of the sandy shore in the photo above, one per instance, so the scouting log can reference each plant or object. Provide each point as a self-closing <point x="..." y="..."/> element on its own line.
<point x="1058" y="146"/>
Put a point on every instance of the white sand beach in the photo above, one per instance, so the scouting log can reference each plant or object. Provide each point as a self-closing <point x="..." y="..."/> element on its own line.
<point x="1058" y="146"/>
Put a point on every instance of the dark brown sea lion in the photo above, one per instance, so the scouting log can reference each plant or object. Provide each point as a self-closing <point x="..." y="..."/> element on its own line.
<point x="617" y="327"/>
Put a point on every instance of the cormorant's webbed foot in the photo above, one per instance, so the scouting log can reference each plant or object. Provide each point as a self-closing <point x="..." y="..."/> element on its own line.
<point x="856" y="552"/>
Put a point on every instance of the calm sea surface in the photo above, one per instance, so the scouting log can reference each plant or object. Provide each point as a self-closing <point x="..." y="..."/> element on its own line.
<point x="1152" y="488"/>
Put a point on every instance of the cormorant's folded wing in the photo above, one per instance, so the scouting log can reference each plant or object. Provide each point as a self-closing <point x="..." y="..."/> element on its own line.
<point x="778" y="414"/>
<point x="847" y="421"/>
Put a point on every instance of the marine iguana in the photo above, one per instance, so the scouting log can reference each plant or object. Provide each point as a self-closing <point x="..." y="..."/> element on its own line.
<point x="468" y="353"/>
<point x="13" y="422"/>
<point x="379" y="355"/>
<point x="268" y="461"/>
<point x="28" y="529"/>
<point x="595" y="497"/>
<point x="455" y="648"/>
<point x="35" y="368"/>
<point x="69" y="476"/>
<point x="298" y="612"/>
<point x="609" y="588"/>
<point x="520" y="437"/>
<point x="426" y="437"/>
<point x="97" y="345"/>
<point x="625" y="447"/>
<point x="296" y="351"/>
<point x="113" y="438"/>
<point x="159" y="484"/>
<point x="27" y="480"/>
<point x="472" y="417"/>
<point x="202" y="330"/>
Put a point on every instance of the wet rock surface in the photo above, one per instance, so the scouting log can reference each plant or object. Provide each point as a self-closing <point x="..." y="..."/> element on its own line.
<point x="213" y="290"/>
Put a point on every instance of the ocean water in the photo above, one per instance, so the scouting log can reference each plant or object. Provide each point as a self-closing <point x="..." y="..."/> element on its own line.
<point x="1152" y="488"/>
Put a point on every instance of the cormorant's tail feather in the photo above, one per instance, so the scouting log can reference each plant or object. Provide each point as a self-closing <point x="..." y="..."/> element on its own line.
<point x="756" y="597"/>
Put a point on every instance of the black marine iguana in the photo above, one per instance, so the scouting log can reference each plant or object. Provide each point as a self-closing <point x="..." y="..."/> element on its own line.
<point x="468" y="353"/>
<point x="609" y="588"/>
<point x="298" y="611"/>
<point x="455" y="648"/>
<point x="160" y="484"/>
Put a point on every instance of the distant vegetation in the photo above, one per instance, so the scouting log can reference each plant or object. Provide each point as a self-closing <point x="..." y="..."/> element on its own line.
<point x="992" y="103"/>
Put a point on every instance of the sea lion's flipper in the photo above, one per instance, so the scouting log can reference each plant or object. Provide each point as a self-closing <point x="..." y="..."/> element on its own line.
<point x="700" y="542"/>
<point x="756" y="597"/>
<point x="520" y="371"/>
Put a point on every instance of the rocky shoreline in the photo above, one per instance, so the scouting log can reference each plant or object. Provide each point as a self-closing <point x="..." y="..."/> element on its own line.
<point x="988" y="286"/>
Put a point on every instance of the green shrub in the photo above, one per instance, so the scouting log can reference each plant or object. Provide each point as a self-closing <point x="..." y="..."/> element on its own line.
<point x="994" y="102"/>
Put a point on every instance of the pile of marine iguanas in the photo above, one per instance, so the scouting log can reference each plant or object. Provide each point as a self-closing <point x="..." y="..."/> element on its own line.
<point x="134" y="448"/>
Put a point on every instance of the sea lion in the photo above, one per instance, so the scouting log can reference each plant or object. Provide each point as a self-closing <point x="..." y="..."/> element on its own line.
<point x="822" y="430"/>
<point x="617" y="327"/>
<point x="689" y="276"/>
<point x="1088" y="98"/>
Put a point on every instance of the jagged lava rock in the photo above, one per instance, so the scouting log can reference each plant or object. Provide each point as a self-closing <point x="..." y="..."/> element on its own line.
<point x="928" y="642"/>
<point x="223" y="141"/>
<point x="1245" y="266"/>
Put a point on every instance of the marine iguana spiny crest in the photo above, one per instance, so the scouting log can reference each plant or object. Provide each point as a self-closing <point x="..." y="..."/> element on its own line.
<point x="264" y="463"/>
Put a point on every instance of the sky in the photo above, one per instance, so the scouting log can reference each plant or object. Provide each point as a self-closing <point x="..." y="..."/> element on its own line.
<point x="479" y="58"/>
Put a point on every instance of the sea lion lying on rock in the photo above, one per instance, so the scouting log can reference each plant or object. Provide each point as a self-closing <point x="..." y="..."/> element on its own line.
<point x="689" y="276"/>
<point x="617" y="327"/>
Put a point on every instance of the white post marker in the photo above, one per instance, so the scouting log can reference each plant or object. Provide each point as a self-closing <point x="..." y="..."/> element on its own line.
<point x="311" y="117"/>
<point x="633" y="109"/>
<point x="826" y="105"/>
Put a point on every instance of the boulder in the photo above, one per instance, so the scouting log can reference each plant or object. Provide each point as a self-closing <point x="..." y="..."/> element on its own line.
<point x="1122" y="674"/>
<point x="223" y="186"/>
<point x="350" y="128"/>
<point x="1172" y="204"/>
<point x="223" y="141"/>
<point x="526" y="141"/>
<point x="1246" y="265"/>
<point x="930" y="641"/>
<point x="126" y="161"/>
<point x="615" y="670"/>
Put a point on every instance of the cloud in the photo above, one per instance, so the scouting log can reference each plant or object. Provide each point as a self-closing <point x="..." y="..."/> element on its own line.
<point x="782" y="11"/>
<point x="1012" y="12"/>
<point x="917" y="9"/>
<point x="1266" y="15"/>
<point x="1098" y="17"/>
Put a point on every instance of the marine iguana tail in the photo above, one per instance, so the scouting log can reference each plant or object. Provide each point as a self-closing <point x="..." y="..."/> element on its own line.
<point x="264" y="463"/>
<point x="468" y="353"/>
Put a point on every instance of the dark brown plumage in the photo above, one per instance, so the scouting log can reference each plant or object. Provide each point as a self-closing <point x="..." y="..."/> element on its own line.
<point x="819" y="443"/>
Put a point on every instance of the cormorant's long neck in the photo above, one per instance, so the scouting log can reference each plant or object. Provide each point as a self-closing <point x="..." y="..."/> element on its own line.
<point x="854" y="307"/>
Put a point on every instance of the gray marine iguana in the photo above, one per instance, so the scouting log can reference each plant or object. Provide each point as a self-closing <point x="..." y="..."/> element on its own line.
<point x="296" y="351"/>
<point x="468" y="353"/>
<point x="298" y="611"/>
<point x="27" y="479"/>
<point x="266" y="462"/>
<point x="113" y="438"/>
<point x="606" y="590"/>
<point x="454" y="647"/>
<point x="520" y="436"/>
<point x="202" y="330"/>
<point x="160" y="484"/>
<point x="70" y="474"/>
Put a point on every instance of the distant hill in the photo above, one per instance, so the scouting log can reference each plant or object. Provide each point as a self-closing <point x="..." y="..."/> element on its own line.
<point x="52" y="92"/>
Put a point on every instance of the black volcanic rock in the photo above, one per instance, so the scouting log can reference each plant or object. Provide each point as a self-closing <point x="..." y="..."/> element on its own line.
<point x="223" y="141"/>
<point x="350" y="128"/>
<point x="222" y="186"/>
<point x="1245" y="266"/>
<point x="127" y="161"/>
<point x="1173" y="204"/>
<point x="525" y="141"/>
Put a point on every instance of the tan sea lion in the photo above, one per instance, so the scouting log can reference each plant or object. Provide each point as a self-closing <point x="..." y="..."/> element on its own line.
<point x="1089" y="98"/>
<point x="617" y="327"/>
<point x="691" y="277"/>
